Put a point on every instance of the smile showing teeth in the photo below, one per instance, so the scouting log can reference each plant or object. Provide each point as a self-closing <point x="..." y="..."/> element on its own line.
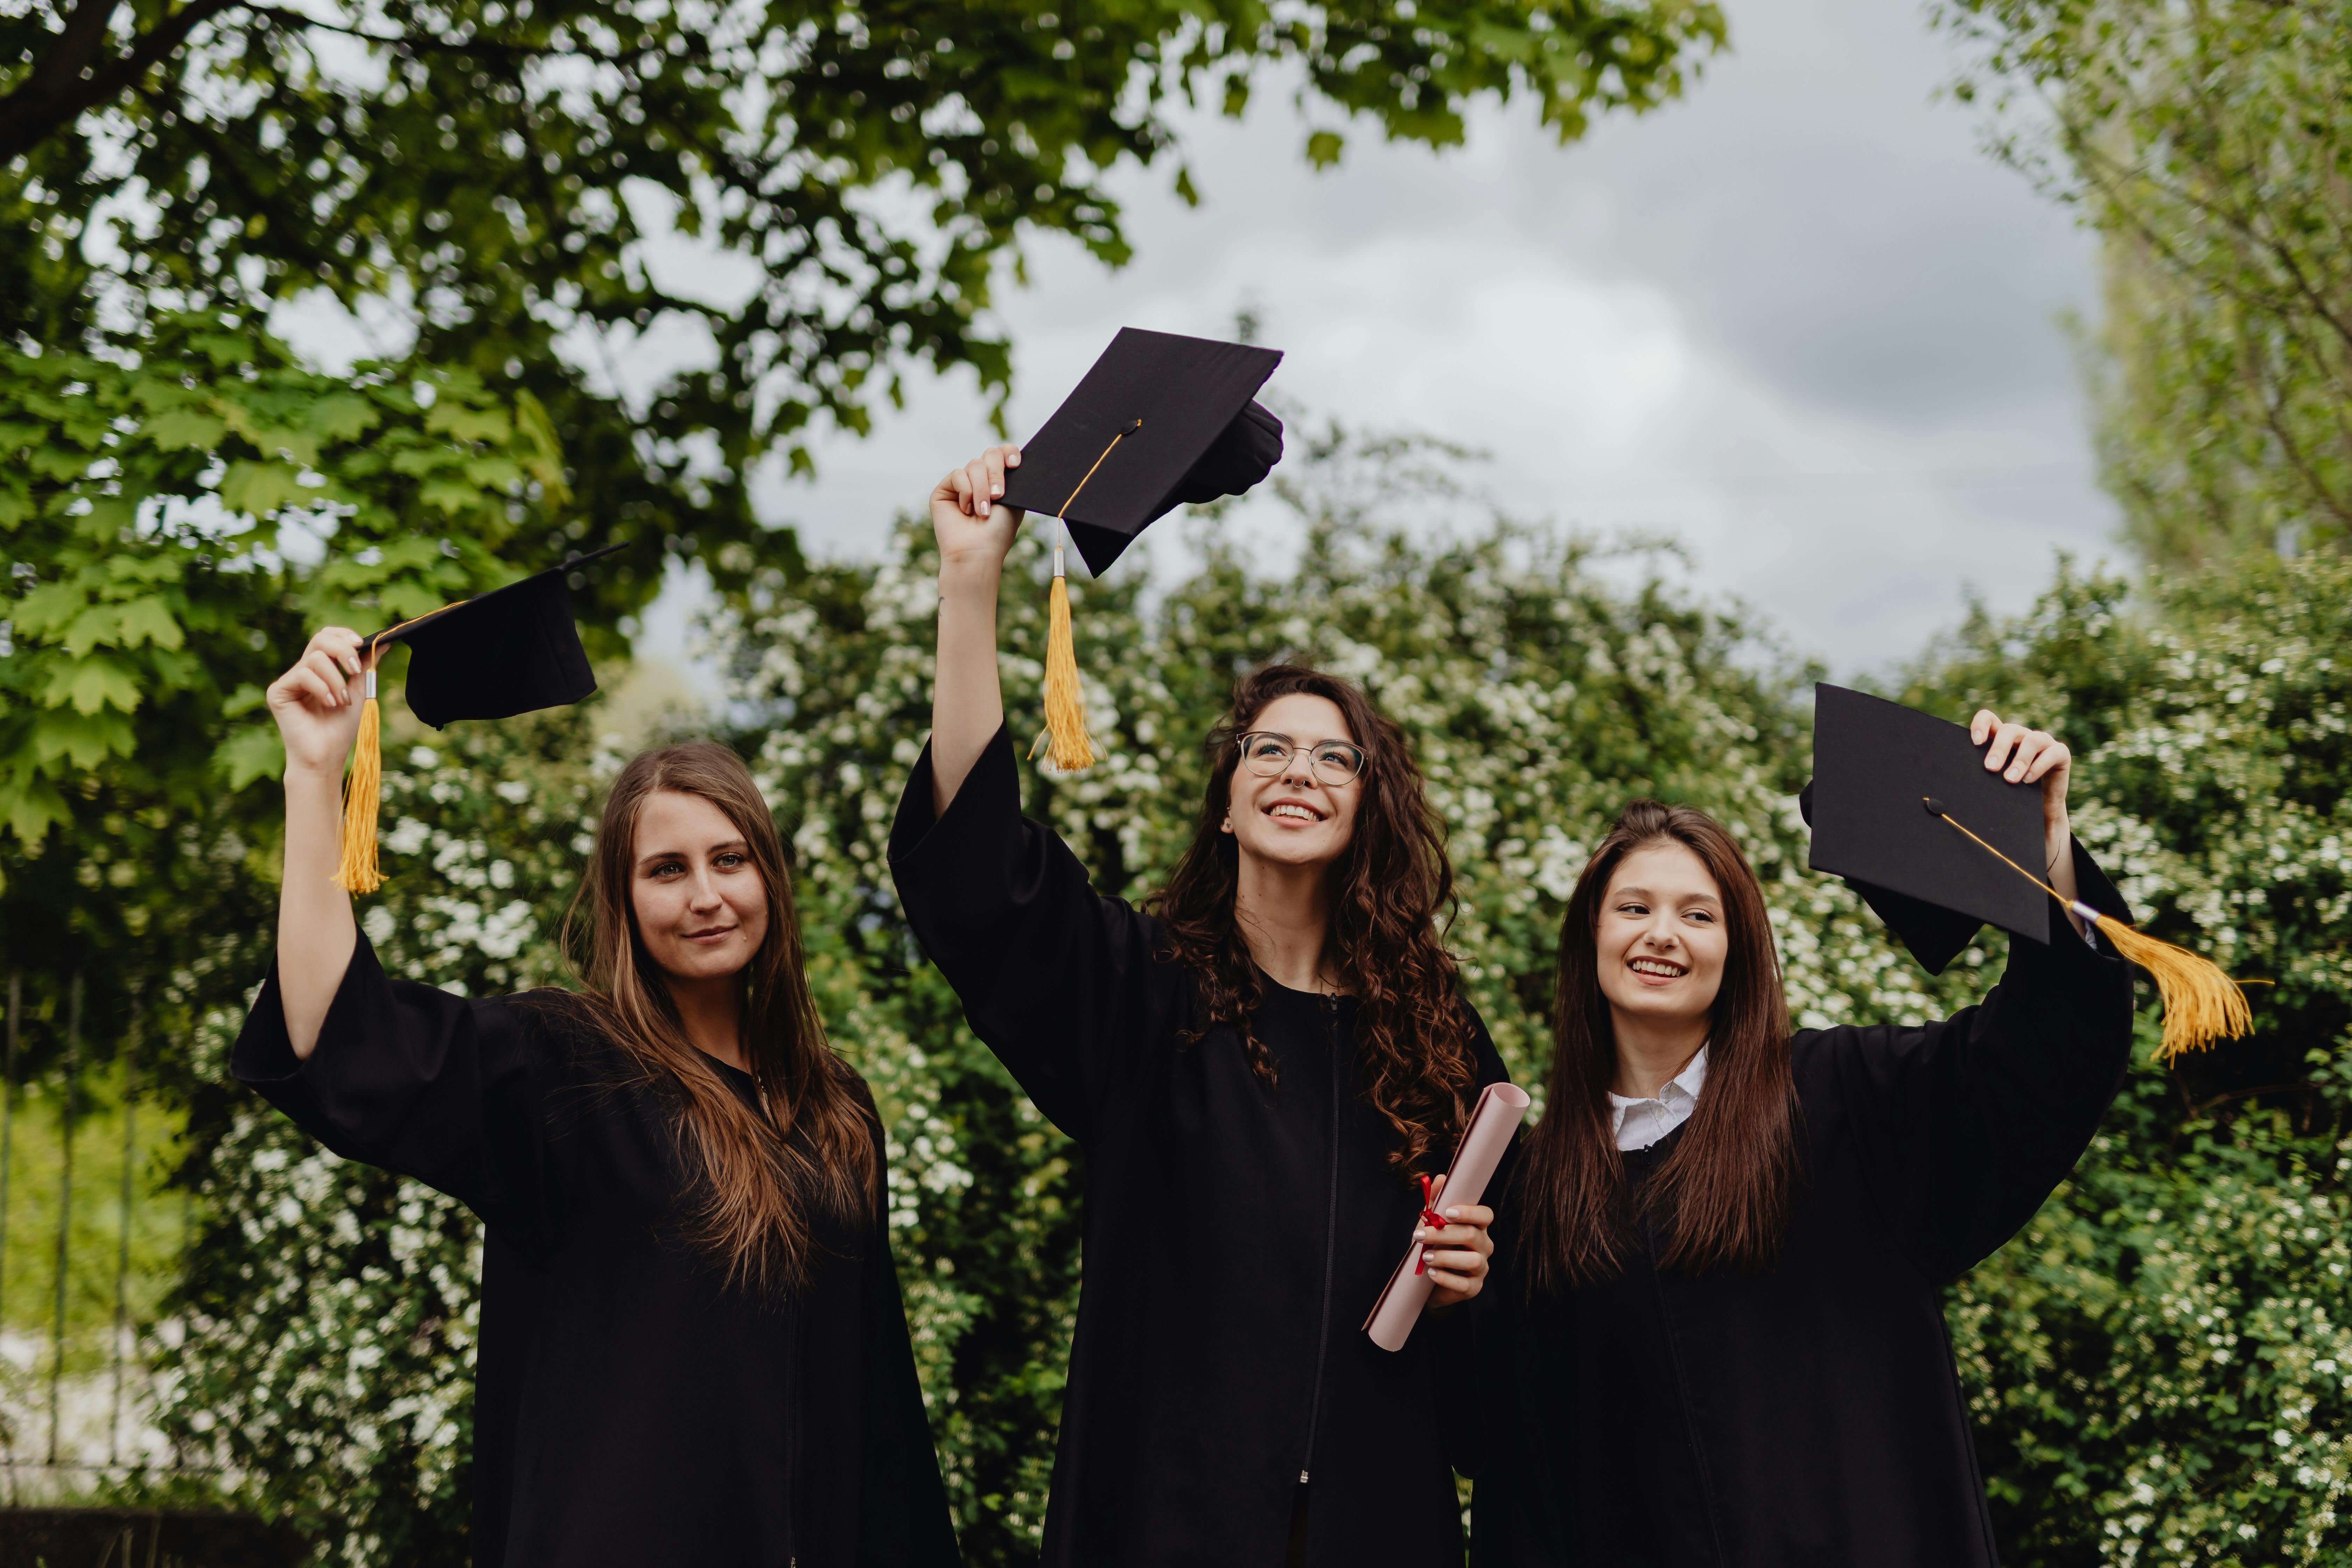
<point x="1288" y="809"/>
<point x="1657" y="967"/>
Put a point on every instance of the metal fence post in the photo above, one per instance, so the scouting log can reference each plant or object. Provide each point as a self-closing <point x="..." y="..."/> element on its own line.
<point x="8" y="1167"/>
<point x="122" y="1253"/>
<point x="8" y="1124"/>
<point x="64" y="1205"/>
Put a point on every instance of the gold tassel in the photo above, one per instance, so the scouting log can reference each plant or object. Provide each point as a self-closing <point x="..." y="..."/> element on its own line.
<point x="2201" y="1003"/>
<point x="1063" y="740"/>
<point x="363" y="792"/>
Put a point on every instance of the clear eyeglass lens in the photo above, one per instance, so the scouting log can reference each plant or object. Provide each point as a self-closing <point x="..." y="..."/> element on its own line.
<point x="1334" y="763"/>
<point x="1338" y="764"/>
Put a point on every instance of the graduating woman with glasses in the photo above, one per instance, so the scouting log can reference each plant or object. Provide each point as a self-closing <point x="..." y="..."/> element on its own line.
<point x="1258" y="1064"/>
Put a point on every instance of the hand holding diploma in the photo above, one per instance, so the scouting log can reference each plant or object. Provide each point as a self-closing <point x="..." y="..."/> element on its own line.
<point x="1458" y="1272"/>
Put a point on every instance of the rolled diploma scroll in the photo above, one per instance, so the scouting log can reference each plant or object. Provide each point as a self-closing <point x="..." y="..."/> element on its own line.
<point x="1497" y="1115"/>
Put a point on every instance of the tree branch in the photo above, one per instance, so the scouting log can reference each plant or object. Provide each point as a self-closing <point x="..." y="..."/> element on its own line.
<point x="494" y="46"/>
<point x="66" y="82"/>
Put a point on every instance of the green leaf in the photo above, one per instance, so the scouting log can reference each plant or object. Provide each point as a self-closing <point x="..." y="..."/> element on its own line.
<point x="29" y="808"/>
<point x="186" y="429"/>
<point x="251" y="751"/>
<point x="259" y="489"/>
<point x="451" y="495"/>
<point x="82" y="739"/>
<point x="91" y="684"/>
<point x="49" y="609"/>
<point x="149" y="620"/>
<point x="453" y="418"/>
<point x="1323" y="148"/>
<point x="342" y="417"/>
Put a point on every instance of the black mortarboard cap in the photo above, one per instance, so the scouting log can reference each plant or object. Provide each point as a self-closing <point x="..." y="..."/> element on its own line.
<point x="1903" y="807"/>
<point x="511" y="650"/>
<point x="1876" y="766"/>
<point x="1160" y="421"/>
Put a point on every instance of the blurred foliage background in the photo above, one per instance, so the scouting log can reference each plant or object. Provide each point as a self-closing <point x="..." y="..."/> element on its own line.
<point x="2158" y="1363"/>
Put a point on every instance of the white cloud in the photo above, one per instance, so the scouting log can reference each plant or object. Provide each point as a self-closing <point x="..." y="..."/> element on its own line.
<point x="1798" y="321"/>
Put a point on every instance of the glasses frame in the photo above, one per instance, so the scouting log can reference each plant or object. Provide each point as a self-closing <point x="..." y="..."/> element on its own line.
<point x="1350" y="755"/>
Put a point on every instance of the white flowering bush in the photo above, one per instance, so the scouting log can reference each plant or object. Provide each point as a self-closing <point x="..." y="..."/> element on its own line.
<point x="2158" y="1365"/>
<point x="2160" y="1360"/>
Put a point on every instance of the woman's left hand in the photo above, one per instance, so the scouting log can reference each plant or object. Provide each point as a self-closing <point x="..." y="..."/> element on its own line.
<point x="2025" y="755"/>
<point x="1456" y="1255"/>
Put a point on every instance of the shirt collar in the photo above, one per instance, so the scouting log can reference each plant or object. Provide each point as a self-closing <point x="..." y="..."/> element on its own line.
<point x="1684" y="1084"/>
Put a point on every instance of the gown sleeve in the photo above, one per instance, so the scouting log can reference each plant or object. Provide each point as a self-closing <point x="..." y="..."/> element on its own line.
<point x="1965" y="1126"/>
<point x="1053" y="979"/>
<point x="448" y="1090"/>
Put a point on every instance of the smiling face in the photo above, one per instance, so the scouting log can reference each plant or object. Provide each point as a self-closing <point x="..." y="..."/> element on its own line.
<point x="1295" y="818"/>
<point x="701" y="906"/>
<point x="1660" y="940"/>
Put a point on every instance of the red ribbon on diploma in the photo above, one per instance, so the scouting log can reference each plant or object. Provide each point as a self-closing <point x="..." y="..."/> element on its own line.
<point x="1428" y="1216"/>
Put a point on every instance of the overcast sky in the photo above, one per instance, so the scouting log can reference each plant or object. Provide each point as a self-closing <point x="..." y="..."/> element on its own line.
<point x="1798" y="321"/>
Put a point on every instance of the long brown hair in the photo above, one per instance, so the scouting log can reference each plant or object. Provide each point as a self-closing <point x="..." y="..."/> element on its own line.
<point x="1720" y="1197"/>
<point x="1389" y="888"/>
<point x="754" y="1191"/>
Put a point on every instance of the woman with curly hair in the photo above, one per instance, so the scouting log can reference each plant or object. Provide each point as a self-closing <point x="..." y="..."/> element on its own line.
<point x="692" y="1349"/>
<point x="1258" y="1064"/>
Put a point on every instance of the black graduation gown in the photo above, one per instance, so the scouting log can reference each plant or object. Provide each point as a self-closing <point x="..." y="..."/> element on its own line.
<point x="1236" y="1235"/>
<point x="1808" y="1417"/>
<point x="628" y="1408"/>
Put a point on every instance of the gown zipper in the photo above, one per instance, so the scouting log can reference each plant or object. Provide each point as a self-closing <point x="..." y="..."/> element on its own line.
<point x="1331" y="1236"/>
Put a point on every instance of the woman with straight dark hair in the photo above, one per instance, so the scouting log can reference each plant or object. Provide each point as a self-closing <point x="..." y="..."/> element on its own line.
<point x="1717" y="1337"/>
<point x="692" y="1349"/>
<point x="1258" y="1064"/>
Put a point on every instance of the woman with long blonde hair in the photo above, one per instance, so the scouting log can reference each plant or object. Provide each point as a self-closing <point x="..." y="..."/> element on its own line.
<point x="692" y="1347"/>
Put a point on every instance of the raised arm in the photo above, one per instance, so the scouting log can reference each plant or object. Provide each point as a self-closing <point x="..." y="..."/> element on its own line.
<point x="317" y="706"/>
<point x="974" y="531"/>
<point x="1969" y="1124"/>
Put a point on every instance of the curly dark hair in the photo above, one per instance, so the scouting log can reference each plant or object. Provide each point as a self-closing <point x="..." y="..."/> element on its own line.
<point x="1391" y="889"/>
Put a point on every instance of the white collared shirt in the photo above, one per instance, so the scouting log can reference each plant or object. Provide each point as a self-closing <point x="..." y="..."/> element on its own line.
<point x="1638" y="1123"/>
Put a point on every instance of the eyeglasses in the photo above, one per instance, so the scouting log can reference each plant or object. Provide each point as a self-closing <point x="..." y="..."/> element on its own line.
<point x="1334" y="763"/>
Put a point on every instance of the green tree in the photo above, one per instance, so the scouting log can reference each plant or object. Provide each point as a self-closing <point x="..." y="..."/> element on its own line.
<point x="172" y="527"/>
<point x="2210" y="146"/>
<point x="491" y="168"/>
